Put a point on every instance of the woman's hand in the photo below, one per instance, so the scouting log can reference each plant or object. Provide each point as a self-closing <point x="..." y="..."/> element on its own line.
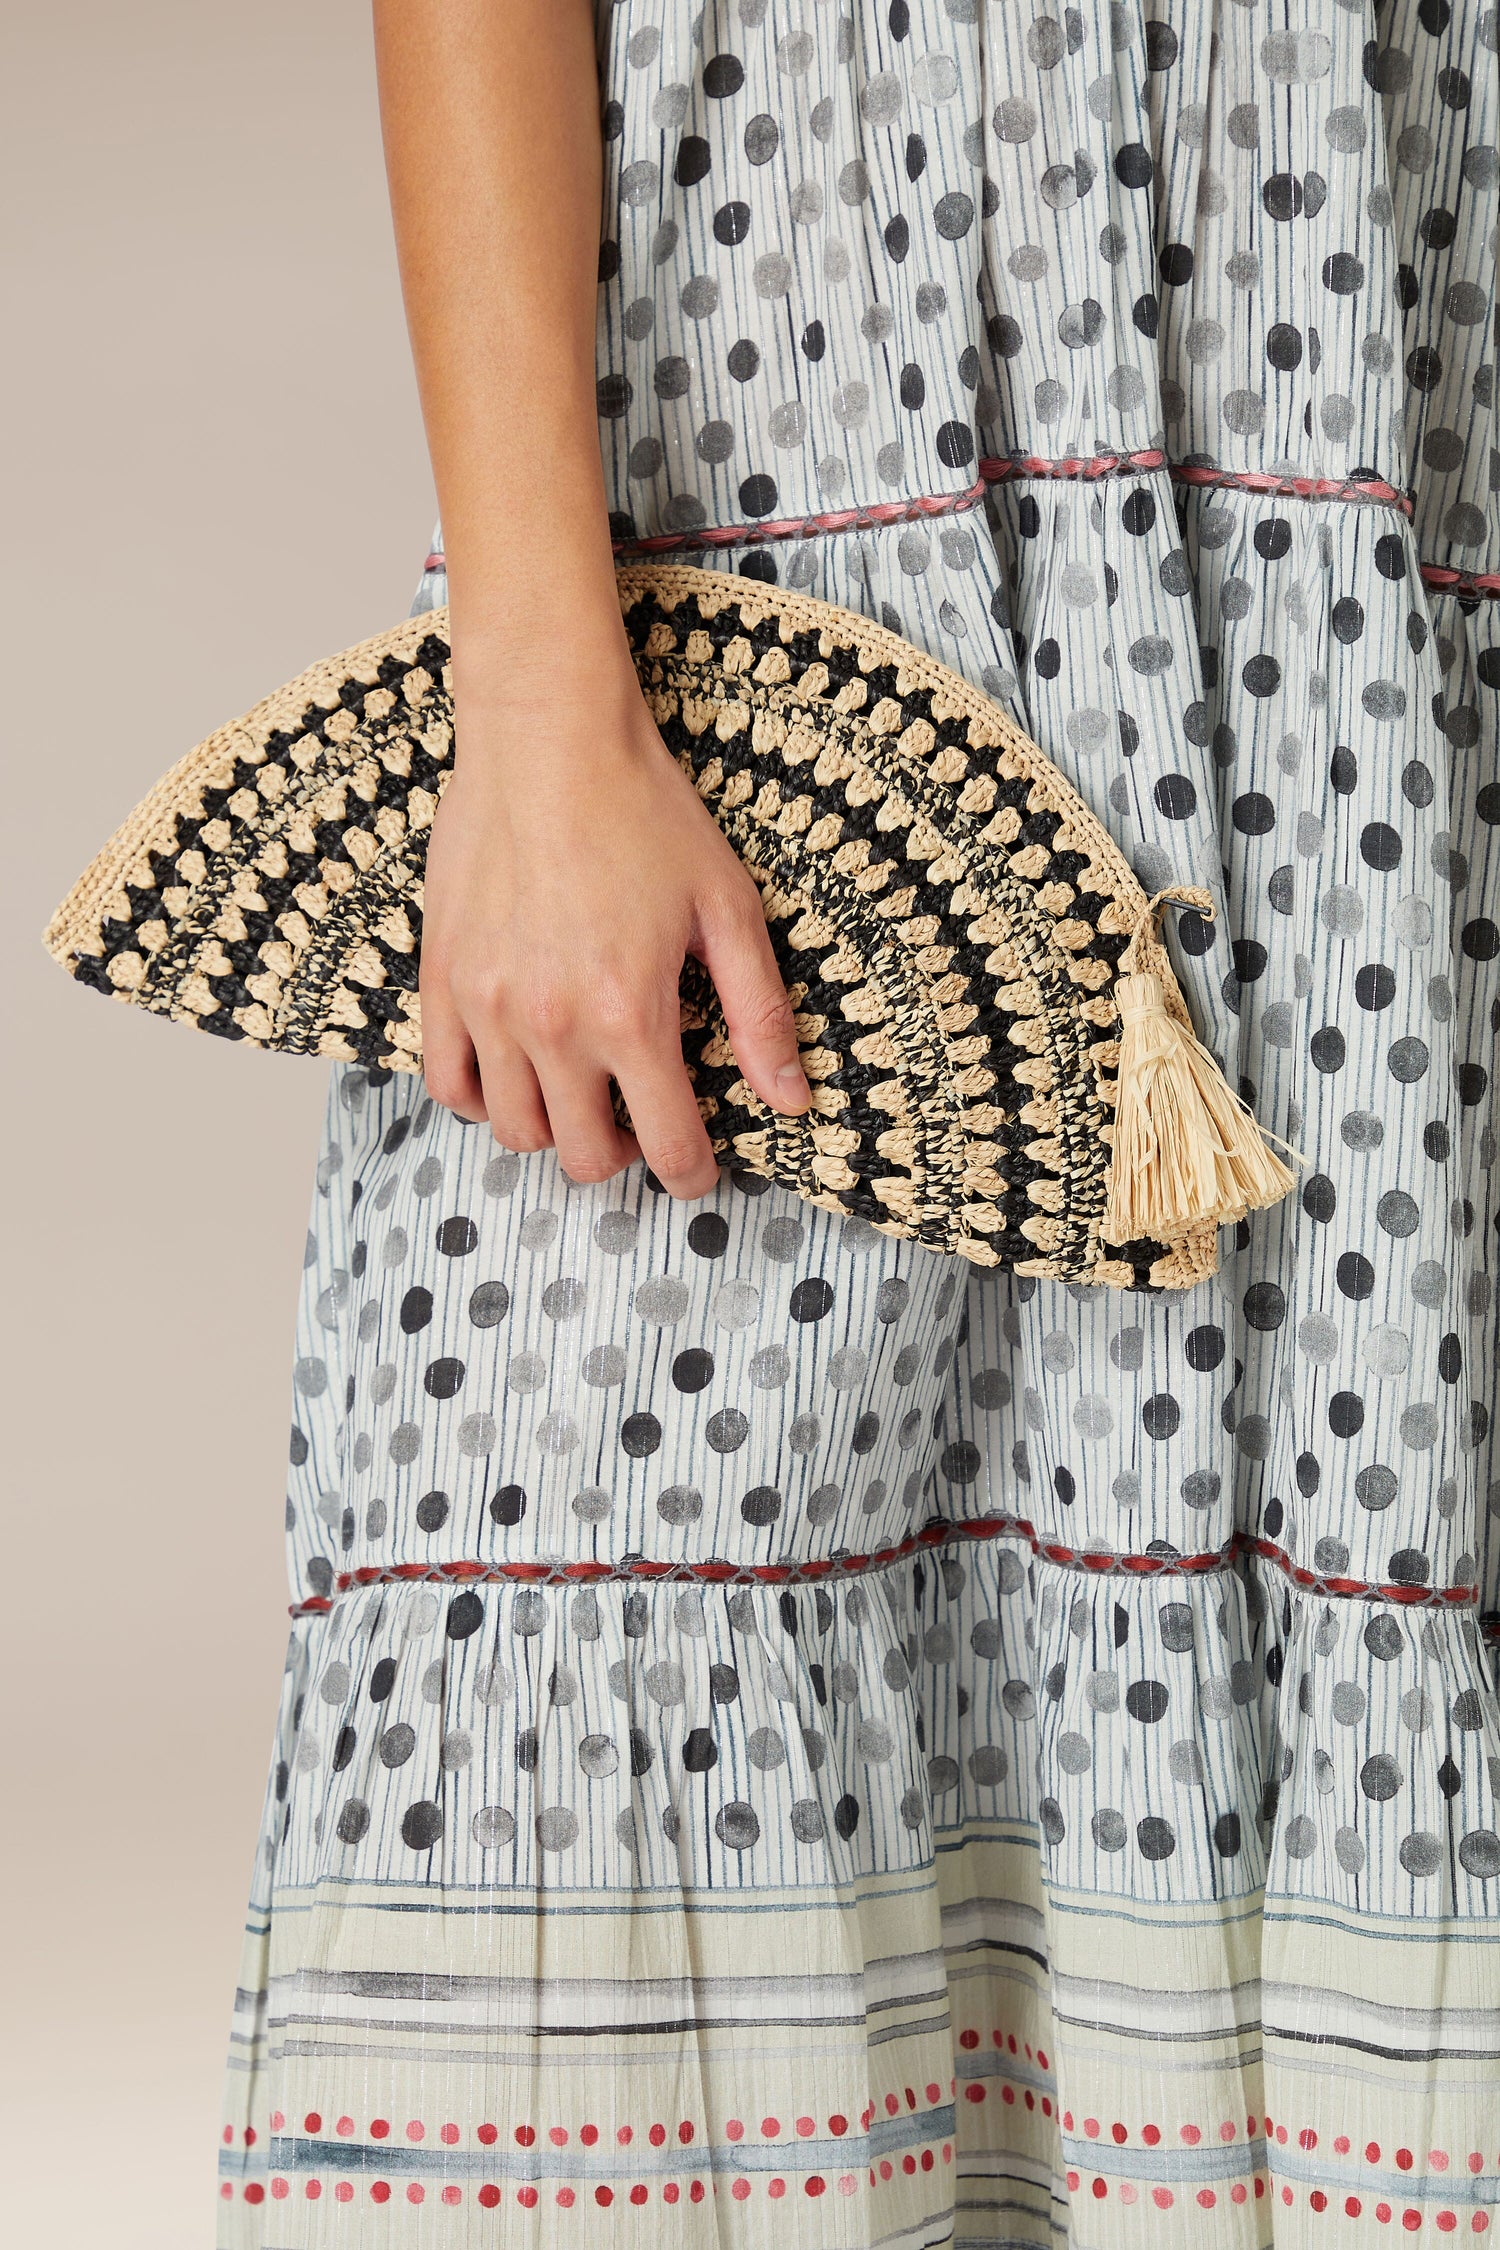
<point x="571" y="869"/>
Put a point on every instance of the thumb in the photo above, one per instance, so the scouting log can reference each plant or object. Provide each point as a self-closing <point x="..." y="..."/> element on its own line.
<point x="757" y="1013"/>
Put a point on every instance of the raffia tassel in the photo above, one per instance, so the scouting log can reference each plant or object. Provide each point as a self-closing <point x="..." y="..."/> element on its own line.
<point x="1187" y="1150"/>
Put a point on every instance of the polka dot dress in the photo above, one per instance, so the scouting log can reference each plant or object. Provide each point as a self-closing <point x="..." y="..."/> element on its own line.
<point x="787" y="1740"/>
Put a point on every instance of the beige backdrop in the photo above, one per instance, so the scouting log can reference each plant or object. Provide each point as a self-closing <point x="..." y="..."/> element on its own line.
<point x="215" y="474"/>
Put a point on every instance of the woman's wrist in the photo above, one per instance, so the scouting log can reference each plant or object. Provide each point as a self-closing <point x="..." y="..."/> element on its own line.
<point x="559" y="627"/>
<point x="564" y="654"/>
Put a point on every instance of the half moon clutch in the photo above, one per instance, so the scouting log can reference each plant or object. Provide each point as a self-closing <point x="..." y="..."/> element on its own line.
<point x="1001" y="1061"/>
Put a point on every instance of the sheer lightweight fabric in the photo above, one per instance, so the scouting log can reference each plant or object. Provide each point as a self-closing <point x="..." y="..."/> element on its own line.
<point x="787" y="1739"/>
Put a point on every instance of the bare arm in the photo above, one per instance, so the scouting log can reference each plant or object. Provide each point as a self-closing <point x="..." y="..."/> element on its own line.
<point x="572" y="865"/>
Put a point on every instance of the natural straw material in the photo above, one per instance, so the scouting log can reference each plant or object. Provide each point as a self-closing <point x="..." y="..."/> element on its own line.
<point x="970" y="957"/>
<point x="1185" y="1147"/>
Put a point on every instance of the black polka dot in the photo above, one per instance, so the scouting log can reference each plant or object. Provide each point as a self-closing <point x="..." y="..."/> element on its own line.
<point x="1281" y="195"/>
<point x="640" y="1434"/>
<point x="1319" y="1197"/>
<point x="1380" y="846"/>
<point x="1346" y="1414"/>
<point x="723" y="75"/>
<point x="699" y="1750"/>
<point x="353" y="1820"/>
<point x="421" y="1825"/>
<point x="1254" y="815"/>
<point x="1355" y="1275"/>
<point x="1155" y="1837"/>
<point x="1161" y="1415"/>
<point x="1203" y="1348"/>
<point x="761" y="1506"/>
<point x="509" y="1504"/>
<point x="708" y="1235"/>
<point x="1265" y="1305"/>
<point x="465" y="1615"/>
<point x="1343" y="273"/>
<point x="1176" y="798"/>
<point x="1374" y="986"/>
<point x="1284" y="347"/>
<point x="1139" y="511"/>
<point x="694" y="160"/>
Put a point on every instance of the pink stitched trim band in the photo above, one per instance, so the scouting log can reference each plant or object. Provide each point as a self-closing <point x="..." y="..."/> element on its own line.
<point x="1445" y="581"/>
<point x="1002" y="469"/>
<point x="940" y="1533"/>
<point x="1357" y="489"/>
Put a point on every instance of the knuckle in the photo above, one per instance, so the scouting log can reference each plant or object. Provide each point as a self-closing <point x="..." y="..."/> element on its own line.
<point x="588" y="1166"/>
<point x="548" y="1014"/>
<point x="769" y="1016"/>
<point x="476" y="993"/>
<point x="449" y="1086"/>
<point x="736" y="906"/>
<point x="622" y="1012"/>
<point x="523" y="1139"/>
<point x="679" y="1156"/>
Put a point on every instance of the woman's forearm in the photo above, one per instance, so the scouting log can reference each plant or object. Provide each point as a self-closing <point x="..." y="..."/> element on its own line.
<point x="493" y="149"/>
<point x="572" y="865"/>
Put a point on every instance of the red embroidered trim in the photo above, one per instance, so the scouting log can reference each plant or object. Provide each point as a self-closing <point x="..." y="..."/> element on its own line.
<point x="1445" y="581"/>
<point x="999" y="468"/>
<point x="939" y="1533"/>
<point x="1357" y="489"/>
<point x="1002" y="469"/>
<point x="864" y="518"/>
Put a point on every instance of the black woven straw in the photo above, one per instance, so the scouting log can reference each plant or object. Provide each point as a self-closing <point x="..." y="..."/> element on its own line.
<point x="948" y="916"/>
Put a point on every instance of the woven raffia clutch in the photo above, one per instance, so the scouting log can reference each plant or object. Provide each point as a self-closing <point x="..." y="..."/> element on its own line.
<point x="1001" y="1061"/>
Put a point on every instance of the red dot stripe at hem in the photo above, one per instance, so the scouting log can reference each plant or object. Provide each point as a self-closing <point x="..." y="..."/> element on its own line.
<point x="939" y="1533"/>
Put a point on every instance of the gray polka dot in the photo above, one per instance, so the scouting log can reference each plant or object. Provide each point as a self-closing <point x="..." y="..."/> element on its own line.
<point x="662" y="1300"/>
<point x="493" y="1826"/>
<point x="734" y="1306"/>
<point x="558" y="1433"/>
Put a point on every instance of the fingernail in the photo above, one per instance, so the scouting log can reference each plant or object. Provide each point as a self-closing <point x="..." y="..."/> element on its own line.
<point x="791" y="1084"/>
